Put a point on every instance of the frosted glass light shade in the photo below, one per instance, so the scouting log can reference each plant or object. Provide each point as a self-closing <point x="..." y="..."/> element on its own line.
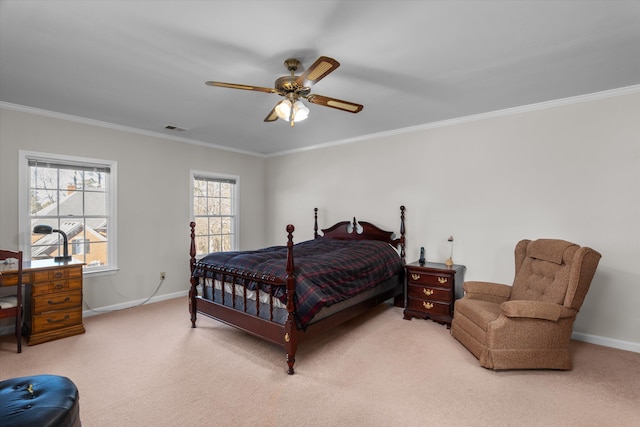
<point x="300" y="111"/>
<point x="283" y="109"/>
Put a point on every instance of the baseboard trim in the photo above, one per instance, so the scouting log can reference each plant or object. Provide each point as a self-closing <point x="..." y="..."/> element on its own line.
<point x="578" y="336"/>
<point x="8" y="329"/>
<point x="607" y="342"/>
<point x="129" y="304"/>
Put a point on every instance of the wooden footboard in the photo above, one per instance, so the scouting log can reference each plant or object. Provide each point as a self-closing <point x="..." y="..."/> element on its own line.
<point x="264" y="325"/>
<point x="253" y="323"/>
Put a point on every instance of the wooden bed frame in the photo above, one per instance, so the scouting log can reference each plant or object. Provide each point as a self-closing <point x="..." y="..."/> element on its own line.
<point x="289" y="335"/>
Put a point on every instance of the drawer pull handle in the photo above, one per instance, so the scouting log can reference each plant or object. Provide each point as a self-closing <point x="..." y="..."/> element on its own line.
<point x="58" y="274"/>
<point x="58" y="286"/>
<point x="67" y="299"/>
<point x="442" y="280"/>
<point x="66" y="317"/>
<point x="428" y="292"/>
<point x="427" y="305"/>
<point x="415" y="276"/>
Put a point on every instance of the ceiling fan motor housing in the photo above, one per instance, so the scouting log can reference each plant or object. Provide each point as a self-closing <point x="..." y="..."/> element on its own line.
<point x="288" y="84"/>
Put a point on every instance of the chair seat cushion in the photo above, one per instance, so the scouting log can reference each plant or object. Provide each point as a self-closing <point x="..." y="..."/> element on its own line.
<point x="39" y="401"/>
<point x="478" y="311"/>
<point x="8" y="301"/>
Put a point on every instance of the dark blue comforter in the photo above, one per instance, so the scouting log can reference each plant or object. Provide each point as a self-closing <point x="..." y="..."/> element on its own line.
<point x="327" y="271"/>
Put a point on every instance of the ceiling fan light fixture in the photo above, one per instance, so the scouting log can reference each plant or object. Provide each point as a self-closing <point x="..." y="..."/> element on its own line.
<point x="283" y="109"/>
<point x="300" y="111"/>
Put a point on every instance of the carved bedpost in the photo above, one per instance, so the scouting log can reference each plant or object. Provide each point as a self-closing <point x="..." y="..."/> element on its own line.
<point x="290" y="338"/>
<point x="402" y="241"/>
<point x="315" y="223"/>
<point x="193" y="290"/>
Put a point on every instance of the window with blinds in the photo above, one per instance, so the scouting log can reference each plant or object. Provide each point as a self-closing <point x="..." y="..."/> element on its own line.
<point x="75" y="196"/>
<point x="214" y="210"/>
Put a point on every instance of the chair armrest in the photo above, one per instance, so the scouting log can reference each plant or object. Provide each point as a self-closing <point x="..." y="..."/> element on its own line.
<point x="487" y="291"/>
<point x="536" y="310"/>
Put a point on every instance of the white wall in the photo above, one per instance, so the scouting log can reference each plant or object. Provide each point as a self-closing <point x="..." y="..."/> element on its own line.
<point x="153" y="198"/>
<point x="571" y="171"/>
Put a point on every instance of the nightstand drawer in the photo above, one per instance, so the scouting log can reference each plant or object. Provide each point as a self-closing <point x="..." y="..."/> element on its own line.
<point x="56" y="320"/>
<point x="429" y="307"/>
<point x="435" y="280"/>
<point x="431" y="293"/>
<point x="57" y="301"/>
<point x="47" y="288"/>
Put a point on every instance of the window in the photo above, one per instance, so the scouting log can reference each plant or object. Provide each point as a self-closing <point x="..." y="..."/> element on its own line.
<point x="81" y="246"/>
<point x="215" y="212"/>
<point x="75" y="196"/>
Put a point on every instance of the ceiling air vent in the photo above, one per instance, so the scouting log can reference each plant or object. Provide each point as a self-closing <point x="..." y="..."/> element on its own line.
<point x="175" y="128"/>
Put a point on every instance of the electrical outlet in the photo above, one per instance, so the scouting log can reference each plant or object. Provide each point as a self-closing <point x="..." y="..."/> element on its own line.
<point x="163" y="275"/>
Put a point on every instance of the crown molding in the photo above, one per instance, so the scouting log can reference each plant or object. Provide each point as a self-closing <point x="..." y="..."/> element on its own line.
<point x="113" y="126"/>
<point x="466" y="119"/>
<point x="433" y="125"/>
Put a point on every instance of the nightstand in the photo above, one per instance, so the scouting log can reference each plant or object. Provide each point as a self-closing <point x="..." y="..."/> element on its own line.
<point x="431" y="289"/>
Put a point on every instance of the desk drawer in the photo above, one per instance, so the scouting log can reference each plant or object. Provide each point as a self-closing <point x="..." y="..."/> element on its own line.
<point x="56" y="286"/>
<point x="43" y="276"/>
<point x="57" y="274"/>
<point x="57" y="301"/>
<point x="12" y="279"/>
<point x="56" y="320"/>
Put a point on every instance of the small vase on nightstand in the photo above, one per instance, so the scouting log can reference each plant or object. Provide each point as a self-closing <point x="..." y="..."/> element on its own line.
<point x="449" y="261"/>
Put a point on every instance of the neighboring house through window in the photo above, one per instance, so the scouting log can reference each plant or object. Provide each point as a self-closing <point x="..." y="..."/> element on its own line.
<point x="214" y="209"/>
<point x="75" y="195"/>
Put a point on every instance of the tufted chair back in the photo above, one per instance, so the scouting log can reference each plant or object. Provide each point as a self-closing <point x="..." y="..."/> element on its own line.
<point x="552" y="270"/>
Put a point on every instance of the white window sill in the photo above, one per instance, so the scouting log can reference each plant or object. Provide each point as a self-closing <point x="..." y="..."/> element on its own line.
<point x="101" y="272"/>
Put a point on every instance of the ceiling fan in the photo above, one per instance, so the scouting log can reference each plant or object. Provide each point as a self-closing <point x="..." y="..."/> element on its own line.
<point x="293" y="88"/>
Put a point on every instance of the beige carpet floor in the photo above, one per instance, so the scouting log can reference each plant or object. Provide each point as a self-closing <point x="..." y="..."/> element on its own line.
<point x="146" y="366"/>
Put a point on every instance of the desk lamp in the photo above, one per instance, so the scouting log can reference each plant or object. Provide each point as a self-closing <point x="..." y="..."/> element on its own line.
<point x="47" y="229"/>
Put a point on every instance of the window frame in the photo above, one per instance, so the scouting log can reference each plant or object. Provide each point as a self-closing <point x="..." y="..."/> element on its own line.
<point x="24" y="216"/>
<point x="193" y="174"/>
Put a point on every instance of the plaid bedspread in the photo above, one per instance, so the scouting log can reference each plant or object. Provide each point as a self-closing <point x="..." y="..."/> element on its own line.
<point x="327" y="271"/>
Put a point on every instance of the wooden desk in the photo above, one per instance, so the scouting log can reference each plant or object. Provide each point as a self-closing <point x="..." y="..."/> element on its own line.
<point x="53" y="298"/>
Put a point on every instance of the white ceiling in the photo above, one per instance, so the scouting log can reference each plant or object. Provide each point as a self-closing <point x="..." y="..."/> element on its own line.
<point x="142" y="64"/>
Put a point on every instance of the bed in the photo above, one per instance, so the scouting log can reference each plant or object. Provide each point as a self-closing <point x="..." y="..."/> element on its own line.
<point x="285" y="294"/>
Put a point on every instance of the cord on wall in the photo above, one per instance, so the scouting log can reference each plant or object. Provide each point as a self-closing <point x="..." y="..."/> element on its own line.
<point x="162" y="276"/>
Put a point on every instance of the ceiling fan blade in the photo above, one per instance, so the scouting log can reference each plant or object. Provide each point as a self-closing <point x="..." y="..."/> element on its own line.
<point x="272" y="116"/>
<point x="317" y="71"/>
<point x="335" y="103"/>
<point x="244" y="87"/>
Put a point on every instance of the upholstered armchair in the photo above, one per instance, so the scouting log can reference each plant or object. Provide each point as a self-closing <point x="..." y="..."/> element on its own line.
<point x="527" y="325"/>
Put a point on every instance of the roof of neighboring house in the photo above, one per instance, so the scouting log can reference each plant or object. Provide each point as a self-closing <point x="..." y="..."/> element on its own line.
<point x="72" y="203"/>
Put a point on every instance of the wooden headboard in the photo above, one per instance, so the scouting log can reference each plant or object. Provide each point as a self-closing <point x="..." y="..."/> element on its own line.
<point x="362" y="230"/>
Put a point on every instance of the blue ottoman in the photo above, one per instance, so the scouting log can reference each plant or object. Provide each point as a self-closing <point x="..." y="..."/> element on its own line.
<point x="39" y="401"/>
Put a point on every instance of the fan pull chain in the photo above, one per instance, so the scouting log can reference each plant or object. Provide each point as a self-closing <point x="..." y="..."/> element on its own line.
<point x="291" y="115"/>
